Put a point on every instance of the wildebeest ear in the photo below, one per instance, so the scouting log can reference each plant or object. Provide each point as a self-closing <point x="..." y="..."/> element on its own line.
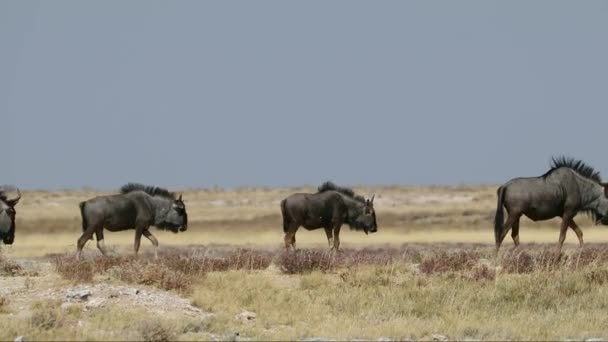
<point x="372" y="200"/>
<point x="180" y="197"/>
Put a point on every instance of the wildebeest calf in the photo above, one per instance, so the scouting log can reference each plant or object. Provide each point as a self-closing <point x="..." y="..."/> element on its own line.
<point x="329" y="208"/>
<point x="136" y="207"/>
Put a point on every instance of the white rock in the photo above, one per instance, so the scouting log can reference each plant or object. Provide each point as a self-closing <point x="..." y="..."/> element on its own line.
<point x="437" y="337"/>
<point x="246" y="316"/>
<point x="78" y="294"/>
<point x="20" y="339"/>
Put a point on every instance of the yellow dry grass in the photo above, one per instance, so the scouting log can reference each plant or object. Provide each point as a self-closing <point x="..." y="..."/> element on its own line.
<point x="49" y="222"/>
<point x="36" y="245"/>
<point x="358" y="302"/>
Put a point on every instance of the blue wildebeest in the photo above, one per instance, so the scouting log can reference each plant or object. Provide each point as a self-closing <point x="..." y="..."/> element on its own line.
<point x="136" y="207"/>
<point x="329" y="208"/>
<point x="569" y="187"/>
<point x="9" y="197"/>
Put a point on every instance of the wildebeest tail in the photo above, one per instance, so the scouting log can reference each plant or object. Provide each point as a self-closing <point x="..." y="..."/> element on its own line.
<point x="499" y="219"/>
<point x="285" y="215"/>
<point x="85" y="224"/>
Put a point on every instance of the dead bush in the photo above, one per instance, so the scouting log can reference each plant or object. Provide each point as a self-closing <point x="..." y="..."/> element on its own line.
<point x="442" y="261"/>
<point x="306" y="260"/>
<point x="9" y="267"/>
<point x="156" y="330"/>
<point x="154" y="274"/>
<point x="520" y="262"/>
<point x="72" y="269"/>
<point x="46" y="315"/>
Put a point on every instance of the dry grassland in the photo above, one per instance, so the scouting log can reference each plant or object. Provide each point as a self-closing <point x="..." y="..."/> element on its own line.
<point x="429" y="271"/>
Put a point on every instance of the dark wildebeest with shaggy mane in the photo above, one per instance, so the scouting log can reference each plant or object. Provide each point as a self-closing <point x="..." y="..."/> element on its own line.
<point x="569" y="187"/>
<point x="136" y="207"/>
<point x="9" y="197"/>
<point x="329" y="208"/>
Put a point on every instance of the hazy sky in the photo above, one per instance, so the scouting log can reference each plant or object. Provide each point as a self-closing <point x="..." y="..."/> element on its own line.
<point x="282" y="93"/>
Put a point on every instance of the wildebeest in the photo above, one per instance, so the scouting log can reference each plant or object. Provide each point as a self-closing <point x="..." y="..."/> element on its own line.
<point x="569" y="187"/>
<point x="329" y="208"/>
<point x="136" y="207"/>
<point x="9" y="197"/>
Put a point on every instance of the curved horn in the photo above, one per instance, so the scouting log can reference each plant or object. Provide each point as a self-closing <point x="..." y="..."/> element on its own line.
<point x="372" y="200"/>
<point x="13" y="201"/>
<point x="180" y="197"/>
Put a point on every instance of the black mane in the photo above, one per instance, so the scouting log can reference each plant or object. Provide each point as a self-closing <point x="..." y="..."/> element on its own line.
<point x="150" y="190"/>
<point x="576" y="165"/>
<point x="329" y="186"/>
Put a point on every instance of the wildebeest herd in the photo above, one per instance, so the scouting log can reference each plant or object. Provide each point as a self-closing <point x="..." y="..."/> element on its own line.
<point x="568" y="188"/>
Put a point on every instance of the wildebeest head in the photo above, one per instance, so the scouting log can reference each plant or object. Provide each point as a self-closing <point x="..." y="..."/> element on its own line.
<point x="366" y="217"/>
<point x="176" y="218"/>
<point x="7" y="215"/>
<point x="601" y="207"/>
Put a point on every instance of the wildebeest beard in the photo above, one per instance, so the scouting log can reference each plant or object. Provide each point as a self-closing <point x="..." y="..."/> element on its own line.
<point x="173" y="226"/>
<point x="600" y="219"/>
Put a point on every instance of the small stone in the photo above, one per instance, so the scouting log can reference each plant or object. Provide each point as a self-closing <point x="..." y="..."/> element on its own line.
<point x="78" y="294"/>
<point x="246" y="316"/>
<point x="595" y="339"/>
<point x="437" y="337"/>
<point x="21" y="339"/>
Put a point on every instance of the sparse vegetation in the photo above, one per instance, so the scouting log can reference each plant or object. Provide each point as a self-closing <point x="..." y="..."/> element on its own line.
<point x="381" y="285"/>
<point x="9" y="267"/>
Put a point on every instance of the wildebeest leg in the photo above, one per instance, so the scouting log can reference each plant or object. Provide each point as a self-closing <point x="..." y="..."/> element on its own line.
<point x="138" y="233"/>
<point x="84" y="238"/>
<point x="515" y="232"/>
<point x="562" y="232"/>
<point x="290" y="238"/>
<point x="505" y="228"/>
<point x="330" y="237"/>
<point x="100" y="244"/>
<point x="578" y="231"/>
<point x="152" y="239"/>
<point x="336" y="238"/>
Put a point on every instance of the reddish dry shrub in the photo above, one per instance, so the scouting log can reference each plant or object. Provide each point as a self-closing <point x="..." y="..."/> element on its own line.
<point x="448" y="262"/>
<point x="483" y="273"/>
<point x="248" y="259"/>
<point x="103" y="263"/>
<point x="188" y="265"/>
<point x="549" y="260"/>
<point x="154" y="274"/>
<point x="589" y="256"/>
<point x="72" y="269"/>
<point x="520" y="262"/>
<point x="306" y="260"/>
